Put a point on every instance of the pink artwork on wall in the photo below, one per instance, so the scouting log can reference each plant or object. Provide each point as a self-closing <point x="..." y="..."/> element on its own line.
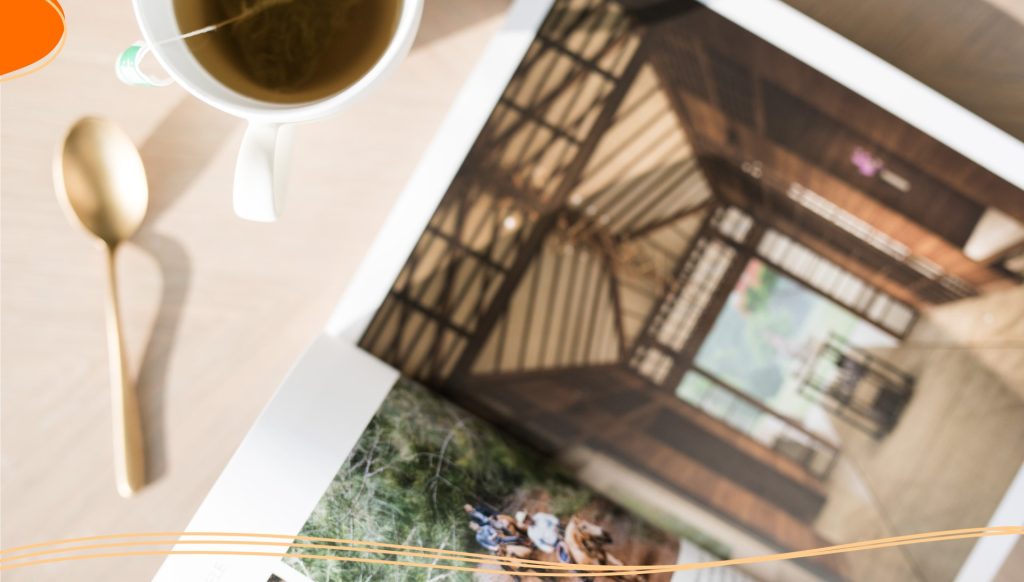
<point x="867" y="164"/>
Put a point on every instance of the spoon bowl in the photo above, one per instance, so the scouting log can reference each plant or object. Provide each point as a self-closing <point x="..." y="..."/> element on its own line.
<point x="102" y="179"/>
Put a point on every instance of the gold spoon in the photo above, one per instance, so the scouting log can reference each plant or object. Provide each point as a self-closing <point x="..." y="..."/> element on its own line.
<point x="101" y="181"/>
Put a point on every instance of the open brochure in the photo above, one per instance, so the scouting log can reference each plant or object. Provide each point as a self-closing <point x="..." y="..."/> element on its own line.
<point x="716" y="280"/>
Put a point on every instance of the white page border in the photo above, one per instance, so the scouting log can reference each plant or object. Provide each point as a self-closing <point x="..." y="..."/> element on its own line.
<point x="286" y="461"/>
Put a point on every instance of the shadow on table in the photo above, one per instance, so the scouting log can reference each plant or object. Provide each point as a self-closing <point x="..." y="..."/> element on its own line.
<point x="175" y="154"/>
<point x="152" y="382"/>
<point x="442" y="18"/>
<point x="180" y="148"/>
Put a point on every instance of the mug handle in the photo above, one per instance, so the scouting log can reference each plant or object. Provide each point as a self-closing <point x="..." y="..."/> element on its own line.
<point x="128" y="70"/>
<point x="261" y="172"/>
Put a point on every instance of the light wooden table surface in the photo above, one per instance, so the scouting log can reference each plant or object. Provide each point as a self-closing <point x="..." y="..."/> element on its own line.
<point x="215" y="309"/>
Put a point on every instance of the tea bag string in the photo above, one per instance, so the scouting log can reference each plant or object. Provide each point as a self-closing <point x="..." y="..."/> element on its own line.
<point x="248" y="12"/>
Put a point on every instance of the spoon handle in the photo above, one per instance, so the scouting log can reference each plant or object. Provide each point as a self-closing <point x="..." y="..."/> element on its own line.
<point x="129" y="457"/>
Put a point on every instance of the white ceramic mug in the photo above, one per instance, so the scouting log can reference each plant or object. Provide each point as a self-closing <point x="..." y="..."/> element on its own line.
<point x="260" y="173"/>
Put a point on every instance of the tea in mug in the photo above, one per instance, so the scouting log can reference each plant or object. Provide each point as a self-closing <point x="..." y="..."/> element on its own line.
<point x="288" y="51"/>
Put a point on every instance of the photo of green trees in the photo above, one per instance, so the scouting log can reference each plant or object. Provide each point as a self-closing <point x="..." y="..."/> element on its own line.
<point x="426" y="473"/>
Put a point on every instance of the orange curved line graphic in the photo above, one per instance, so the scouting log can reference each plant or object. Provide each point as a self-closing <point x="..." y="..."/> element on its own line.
<point x="526" y="567"/>
<point x="362" y="545"/>
<point x="31" y="38"/>
<point x="470" y="558"/>
<point x="483" y="558"/>
<point x="365" y="546"/>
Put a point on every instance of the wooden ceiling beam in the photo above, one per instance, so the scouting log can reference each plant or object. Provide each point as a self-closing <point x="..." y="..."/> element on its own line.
<point x="546" y="222"/>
